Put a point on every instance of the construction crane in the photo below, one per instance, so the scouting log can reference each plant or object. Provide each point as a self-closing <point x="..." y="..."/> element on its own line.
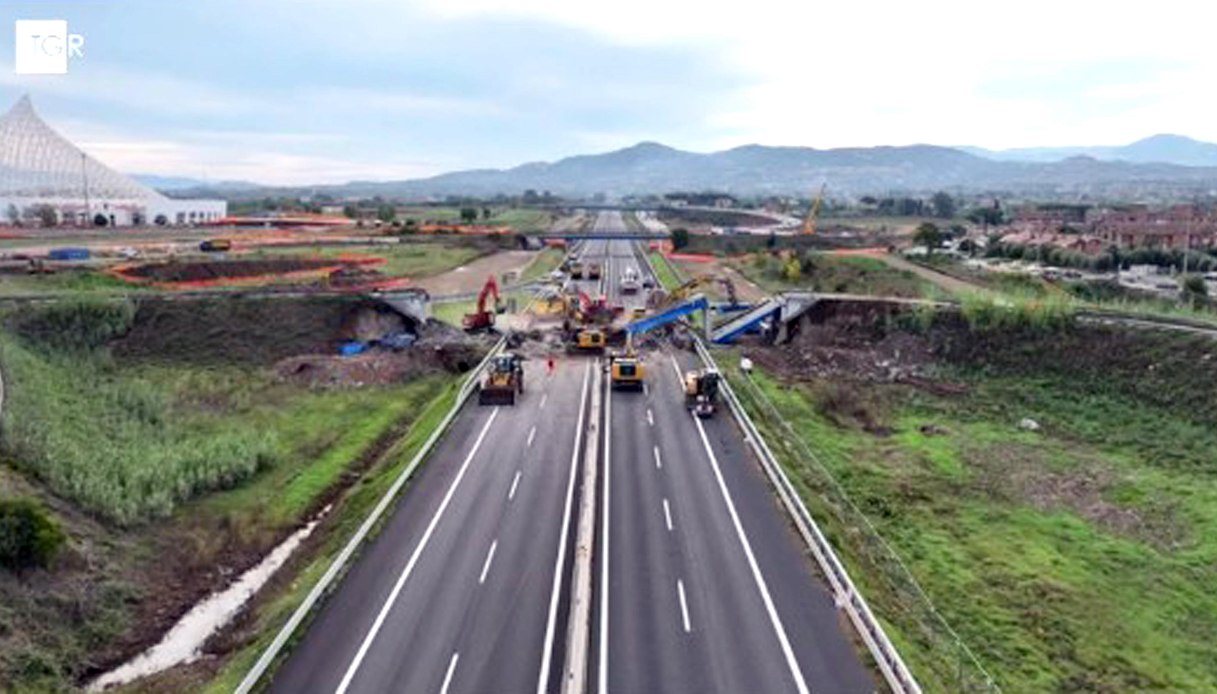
<point x="809" y="224"/>
<point x="482" y="318"/>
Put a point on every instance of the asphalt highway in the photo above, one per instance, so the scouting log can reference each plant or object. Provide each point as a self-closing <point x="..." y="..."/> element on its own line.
<point x="464" y="589"/>
<point x="704" y="586"/>
<point x="700" y="584"/>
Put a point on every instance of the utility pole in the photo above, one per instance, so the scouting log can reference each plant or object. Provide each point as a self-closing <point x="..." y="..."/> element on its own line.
<point x="84" y="176"/>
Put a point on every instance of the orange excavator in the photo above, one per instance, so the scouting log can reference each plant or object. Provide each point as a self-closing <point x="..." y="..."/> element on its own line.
<point x="483" y="318"/>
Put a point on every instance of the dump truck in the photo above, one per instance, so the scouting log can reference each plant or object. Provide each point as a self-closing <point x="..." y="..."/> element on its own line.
<point x="592" y="271"/>
<point x="504" y="380"/>
<point x="701" y="392"/>
<point x="576" y="269"/>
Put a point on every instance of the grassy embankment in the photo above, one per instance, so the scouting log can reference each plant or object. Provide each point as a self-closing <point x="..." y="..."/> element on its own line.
<point x="663" y="271"/>
<point x="823" y="272"/>
<point x="545" y="262"/>
<point x="1075" y="558"/>
<point x="158" y="466"/>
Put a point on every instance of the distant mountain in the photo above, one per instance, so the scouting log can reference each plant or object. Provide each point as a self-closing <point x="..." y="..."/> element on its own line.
<point x="168" y="184"/>
<point x="650" y="167"/>
<point x="1158" y="149"/>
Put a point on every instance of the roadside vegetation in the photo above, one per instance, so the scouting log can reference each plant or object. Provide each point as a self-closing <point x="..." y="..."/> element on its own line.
<point x="413" y="259"/>
<point x="141" y="480"/>
<point x="545" y="262"/>
<point x="1049" y="486"/>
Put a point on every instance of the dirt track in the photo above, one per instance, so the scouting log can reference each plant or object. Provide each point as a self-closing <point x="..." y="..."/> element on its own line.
<point x="469" y="277"/>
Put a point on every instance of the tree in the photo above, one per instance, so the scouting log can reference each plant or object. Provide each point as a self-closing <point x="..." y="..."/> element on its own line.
<point x="47" y="217"/>
<point x="943" y="204"/>
<point x="386" y="213"/>
<point x="929" y="235"/>
<point x="13" y="214"/>
<point x="469" y="215"/>
<point x="680" y="238"/>
<point x="99" y="220"/>
<point x="486" y="213"/>
<point x="1195" y="291"/>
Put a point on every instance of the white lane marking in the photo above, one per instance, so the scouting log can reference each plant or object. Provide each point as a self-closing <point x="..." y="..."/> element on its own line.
<point x="543" y="399"/>
<point x="667" y="513"/>
<point x="602" y="670"/>
<point x="405" y="573"/>
<point x="547" y="653"/>
<point x="489" y="558"/>
<point x="650" y="417"/>
<point x="531" y="433"/>
<point x="451" y="672"/>
<point x="684" y="606"/>
<point x="658" y="462"/>
<point x="761" y="586"/>
<point x="514" y="483"/>
<point x="646" y="390"/>
<point x="680" y="377"/>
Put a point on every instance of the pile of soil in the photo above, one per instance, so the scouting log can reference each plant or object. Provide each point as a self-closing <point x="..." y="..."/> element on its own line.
<point x="225" y="269"/>
<point x="849" y="340"/>
<point x="378" y="367"/>
<point x="258" y="331"/>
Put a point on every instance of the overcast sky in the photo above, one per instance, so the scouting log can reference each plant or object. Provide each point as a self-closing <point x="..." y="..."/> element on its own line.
<point x="299" y="91"/>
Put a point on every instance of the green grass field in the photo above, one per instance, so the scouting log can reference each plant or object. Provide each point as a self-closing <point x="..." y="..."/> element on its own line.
<point x="521" y="218"/>
<point x="837" y="274"/>
<point x="544" y="263"/>
<point x="663" y="271"/>
<point x="421" y="259"/>
<point x="1077" y="558"/>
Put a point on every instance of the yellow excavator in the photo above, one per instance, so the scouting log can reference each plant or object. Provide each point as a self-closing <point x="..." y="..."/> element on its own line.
<point x="626" y="371"/>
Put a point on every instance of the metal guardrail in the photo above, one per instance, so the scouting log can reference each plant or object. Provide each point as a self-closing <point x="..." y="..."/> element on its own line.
<point x="847" y="597"/>
<point x="314" y="596"/>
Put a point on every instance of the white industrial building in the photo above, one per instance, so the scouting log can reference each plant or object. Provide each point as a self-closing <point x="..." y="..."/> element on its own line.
<point x="41" y="171"/>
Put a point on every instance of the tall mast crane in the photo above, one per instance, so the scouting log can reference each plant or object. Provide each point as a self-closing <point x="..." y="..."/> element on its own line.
<point x="809" y="224"/>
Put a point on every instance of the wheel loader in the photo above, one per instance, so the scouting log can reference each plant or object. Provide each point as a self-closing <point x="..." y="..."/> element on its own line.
<point x="504" y="380"/>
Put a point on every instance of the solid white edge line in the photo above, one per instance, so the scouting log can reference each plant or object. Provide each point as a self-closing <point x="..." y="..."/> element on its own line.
<point x="531" y="433"/>
<point x="418" y="550"/>
<point x="547" y="652"/>
<point x="602" y="668"/>
<point x="451" y="672"/>
<point x="658" y="462"/>
<point x="486" y="565"/>
<point x="684" y="606"/>
<point x="514" y="483"/>
<point x="667" y="514"/>
<point x="793" y="663"/>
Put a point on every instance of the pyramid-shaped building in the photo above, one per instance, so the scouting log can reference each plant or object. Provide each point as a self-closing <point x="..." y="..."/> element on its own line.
<point x="40" y="169"/>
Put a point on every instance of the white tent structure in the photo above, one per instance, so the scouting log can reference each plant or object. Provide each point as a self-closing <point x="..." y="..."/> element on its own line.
<point x="41" y="170"/>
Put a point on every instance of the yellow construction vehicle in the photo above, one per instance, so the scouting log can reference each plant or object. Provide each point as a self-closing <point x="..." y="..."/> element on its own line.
<point x="626" y="371"/>
<point x="504" y="380"/>
<point x="701" y="392"/>
<point x="809" y="224"/>
<point x="585" y="339"/>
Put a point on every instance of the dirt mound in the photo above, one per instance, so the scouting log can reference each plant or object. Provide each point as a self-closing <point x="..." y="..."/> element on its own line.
<point x="377" y="367"/>
<point x="247" y="330"/>
<point x="849" y="340"/>
<point x="225" y="269"/>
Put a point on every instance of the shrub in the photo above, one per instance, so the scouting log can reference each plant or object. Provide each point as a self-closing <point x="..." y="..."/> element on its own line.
<point x="82" y="325"/>
<point x="29" y="536"/>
